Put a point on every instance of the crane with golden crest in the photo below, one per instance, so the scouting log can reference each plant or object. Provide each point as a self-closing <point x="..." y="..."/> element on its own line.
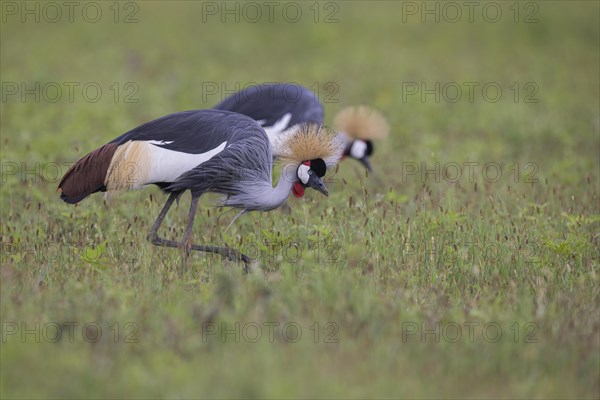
<point x="280" y="106"/>
<point x="206" y="151"/>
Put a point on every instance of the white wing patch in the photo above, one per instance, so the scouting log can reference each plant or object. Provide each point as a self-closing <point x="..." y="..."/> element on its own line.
<point x="159" y="142"/>
<point x="166" y="165"/>
<point x="278" y="127"/>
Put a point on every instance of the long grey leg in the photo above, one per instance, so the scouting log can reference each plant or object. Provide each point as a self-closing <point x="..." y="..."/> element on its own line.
<point x="234" y="218"/>
<point x="188" y="231"/>
<point x="153" y="237"/>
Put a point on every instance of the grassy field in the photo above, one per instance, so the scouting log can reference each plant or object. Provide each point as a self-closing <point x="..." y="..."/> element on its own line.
<point x="466" y="265"/>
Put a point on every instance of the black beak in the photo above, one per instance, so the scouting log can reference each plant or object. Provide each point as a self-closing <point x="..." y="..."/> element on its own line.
<point x="316" y="183"/>
<point x="366" y="163"/>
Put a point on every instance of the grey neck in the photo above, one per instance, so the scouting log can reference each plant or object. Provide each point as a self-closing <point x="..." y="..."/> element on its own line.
<point x="279" y="194"/>
<point x="265" y="197"/>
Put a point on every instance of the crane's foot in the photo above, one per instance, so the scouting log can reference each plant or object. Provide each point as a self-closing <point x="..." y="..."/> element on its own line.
<point x="234" y="255"/>
<point x="226" y="252"/>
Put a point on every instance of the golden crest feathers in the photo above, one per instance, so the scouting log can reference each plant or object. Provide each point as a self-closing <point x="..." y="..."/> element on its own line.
<point x="361" y="122"/>
<point x="308" y="142"/>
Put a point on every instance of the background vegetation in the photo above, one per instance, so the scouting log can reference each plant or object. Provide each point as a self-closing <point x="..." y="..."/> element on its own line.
<point x="411" y="282"/>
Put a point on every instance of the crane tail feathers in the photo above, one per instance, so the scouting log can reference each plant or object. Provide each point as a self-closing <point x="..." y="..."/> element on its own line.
<point x="87" y="175"/>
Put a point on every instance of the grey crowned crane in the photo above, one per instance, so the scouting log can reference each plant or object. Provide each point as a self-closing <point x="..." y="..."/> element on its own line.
<point x="205" y="151"/>
<point x="279" y="106"/>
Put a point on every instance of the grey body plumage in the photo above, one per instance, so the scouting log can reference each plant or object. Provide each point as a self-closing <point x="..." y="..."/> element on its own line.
<point x="269" y="102"/>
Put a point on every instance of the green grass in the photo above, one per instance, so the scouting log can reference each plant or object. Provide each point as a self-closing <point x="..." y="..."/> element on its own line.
<point x="363" y="273"/>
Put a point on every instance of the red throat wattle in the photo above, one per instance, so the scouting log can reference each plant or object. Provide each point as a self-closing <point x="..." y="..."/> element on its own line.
<point x="298" y="189"/>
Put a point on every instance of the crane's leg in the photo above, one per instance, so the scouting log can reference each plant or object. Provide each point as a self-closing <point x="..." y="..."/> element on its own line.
<point x="186" y="242"/>
<point x="153" y="237"/>
<point x="234" y="218"/>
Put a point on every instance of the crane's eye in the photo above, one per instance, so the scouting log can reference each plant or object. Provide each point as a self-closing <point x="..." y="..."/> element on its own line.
<point x="318" y="166"/>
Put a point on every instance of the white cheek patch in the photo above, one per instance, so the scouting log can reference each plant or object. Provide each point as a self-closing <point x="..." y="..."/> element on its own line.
<point x="358" y="149"/>
<point x="303" y="173"/>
